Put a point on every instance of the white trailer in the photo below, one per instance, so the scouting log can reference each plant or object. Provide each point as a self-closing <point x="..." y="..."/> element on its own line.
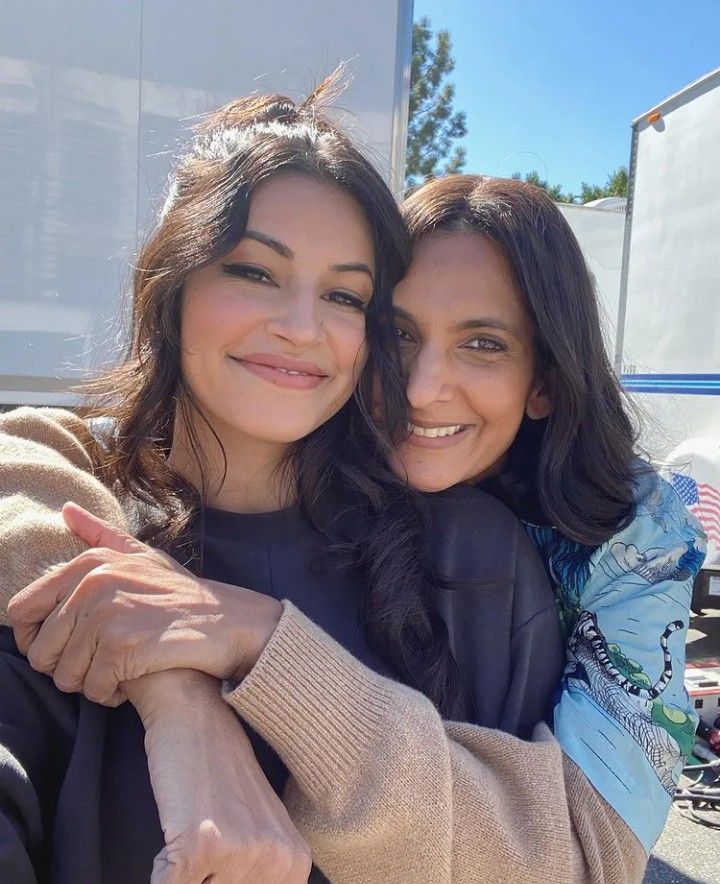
<point x="95" y="98"/>
<point x="656" y="262"/>
<point x="599" y="227"/>
<point x="668" y="342"/>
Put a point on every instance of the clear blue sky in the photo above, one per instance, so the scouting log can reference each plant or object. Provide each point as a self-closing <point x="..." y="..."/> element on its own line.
<point x="564" y="78"/>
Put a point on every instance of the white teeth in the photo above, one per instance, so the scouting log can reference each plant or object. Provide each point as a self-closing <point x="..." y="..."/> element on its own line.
<point x="290" y="371"/>
<point x="434" y="432"/>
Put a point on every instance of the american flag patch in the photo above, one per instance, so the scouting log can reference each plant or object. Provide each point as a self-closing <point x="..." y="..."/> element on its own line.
<point x="702" y="500"/>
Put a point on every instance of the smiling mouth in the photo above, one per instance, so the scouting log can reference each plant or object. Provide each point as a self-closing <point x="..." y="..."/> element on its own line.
<point x="435" y="432"/>
<point x="281" y="375"/>
<point x="291" y="372"/>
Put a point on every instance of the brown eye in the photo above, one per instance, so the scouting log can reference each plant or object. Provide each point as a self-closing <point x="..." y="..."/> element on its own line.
<point x="250" y="272"/>
<point x="485" y="345"/>
<point x="346" y="299"/>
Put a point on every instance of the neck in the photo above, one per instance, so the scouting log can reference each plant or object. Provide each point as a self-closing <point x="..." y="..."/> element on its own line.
<point x="254" y="480"/>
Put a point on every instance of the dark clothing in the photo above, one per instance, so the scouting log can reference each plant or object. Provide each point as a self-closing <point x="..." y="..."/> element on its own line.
<point x="76" y="806"/>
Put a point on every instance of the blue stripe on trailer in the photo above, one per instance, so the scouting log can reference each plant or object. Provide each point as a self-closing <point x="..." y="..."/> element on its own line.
<point x="685" y="384"/>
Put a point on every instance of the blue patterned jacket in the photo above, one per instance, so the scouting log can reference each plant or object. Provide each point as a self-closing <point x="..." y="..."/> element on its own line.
<point x="623" y="714"/>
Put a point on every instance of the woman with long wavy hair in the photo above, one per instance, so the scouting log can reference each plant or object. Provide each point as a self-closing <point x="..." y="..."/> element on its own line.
<point x="237" y="436"/>
<point x="504" y="358"/>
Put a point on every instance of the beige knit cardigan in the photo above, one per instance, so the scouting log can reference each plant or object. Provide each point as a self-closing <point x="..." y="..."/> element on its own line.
<point x="382" y="789"/>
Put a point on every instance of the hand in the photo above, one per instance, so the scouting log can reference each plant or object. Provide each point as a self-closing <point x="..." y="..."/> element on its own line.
<point x="122" y="610"/>
<point x="221" y="819"/>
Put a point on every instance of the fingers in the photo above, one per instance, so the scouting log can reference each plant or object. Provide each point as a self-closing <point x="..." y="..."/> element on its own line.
<point x="74" y="661"/>
<point x="66" y="648"/>
<point x="169" y="870"/>
<point x="45" y="650"/>
<point x="31" y="606"/>
<point x="96" y="532"/>
<point x="101" y="681"/>
<point x="25" y="634"/>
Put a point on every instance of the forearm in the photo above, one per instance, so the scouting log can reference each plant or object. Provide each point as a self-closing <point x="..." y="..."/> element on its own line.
<point x="204" y="773"/>
<point x="383" y="790"/>
<point x="183" y="696"/>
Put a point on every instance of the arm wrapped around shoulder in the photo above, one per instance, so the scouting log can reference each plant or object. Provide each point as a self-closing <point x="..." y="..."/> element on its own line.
<point x="46" y="459"/>
<point x="383" y="790"/>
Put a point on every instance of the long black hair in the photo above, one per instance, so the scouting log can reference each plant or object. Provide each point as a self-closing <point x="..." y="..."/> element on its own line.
<point x="234" y="150"/>
<point x="341" y="465"/>
<point x="580" y="461"/>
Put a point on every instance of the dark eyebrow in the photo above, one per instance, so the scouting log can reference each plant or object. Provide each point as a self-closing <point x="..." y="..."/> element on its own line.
<point x="280" y="248"/>
<point x="403" y="314"/>
<point x="287" y="252"/>
<point x="468" y="324"/>
<point x="355" y="267"/>
<point x="486" y="322"/>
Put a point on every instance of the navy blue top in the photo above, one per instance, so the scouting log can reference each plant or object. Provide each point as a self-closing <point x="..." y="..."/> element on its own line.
<point x="76" y="806"/>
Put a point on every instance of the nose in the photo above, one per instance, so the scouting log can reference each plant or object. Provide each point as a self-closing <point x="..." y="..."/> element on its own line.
<point x="299" y="320"/>
<point x="428" y="380"/>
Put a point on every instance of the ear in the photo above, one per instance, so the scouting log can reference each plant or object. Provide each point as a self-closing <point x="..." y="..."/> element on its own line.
<point x="539" y="402"/>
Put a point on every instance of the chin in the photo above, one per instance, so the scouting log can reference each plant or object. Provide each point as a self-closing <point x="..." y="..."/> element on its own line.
<point x="268" y="424"/>
<point x="432" y="485"/>
<point x="428" y="483"/>
<point x="418" y="477"/>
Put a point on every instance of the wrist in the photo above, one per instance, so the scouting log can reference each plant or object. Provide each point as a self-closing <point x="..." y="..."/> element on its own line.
<point x="255" y="635"/>
<point x="170" y="692"/>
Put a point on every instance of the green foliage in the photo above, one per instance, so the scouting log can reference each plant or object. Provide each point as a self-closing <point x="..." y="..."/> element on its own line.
<point x="433" y="124"/>
<point x="617" y="185"/>
<point x="555" y="190"/>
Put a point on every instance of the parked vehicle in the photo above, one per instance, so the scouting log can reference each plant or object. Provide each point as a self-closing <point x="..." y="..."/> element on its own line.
<point x="668" y="341"/>
<point x="668" y="344"/>
<point x="656" y="261"/>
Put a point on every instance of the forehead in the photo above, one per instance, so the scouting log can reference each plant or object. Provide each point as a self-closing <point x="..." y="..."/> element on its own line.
<point x="459" y="276"/>
<point x="300" y="211"/>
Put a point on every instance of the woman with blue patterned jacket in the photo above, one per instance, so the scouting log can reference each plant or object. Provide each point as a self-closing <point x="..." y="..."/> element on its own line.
<point x="510" y="389"/>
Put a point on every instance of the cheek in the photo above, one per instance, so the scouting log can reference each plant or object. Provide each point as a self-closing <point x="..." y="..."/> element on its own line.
<point x="347" y="340"/>
<point x="202" y="317"/>
<point x="497" y="394"/>
<point x="214" y="320"/>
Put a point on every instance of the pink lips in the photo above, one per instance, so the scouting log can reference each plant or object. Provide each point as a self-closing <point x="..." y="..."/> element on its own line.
<point x="282" y="371"/>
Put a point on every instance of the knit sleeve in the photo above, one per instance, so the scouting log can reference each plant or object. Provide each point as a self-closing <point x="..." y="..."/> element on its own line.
<point x="624" y="716"/>
<point x="46" y="459"/>
<point x="384" y="790"/>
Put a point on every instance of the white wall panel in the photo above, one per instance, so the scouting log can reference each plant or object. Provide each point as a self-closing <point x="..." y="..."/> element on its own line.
<point x="600" y="234"/>
<point x="96" y="97"/>
<point x="673" y="289"/>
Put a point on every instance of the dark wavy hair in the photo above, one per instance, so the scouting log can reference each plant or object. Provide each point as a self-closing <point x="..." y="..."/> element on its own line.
<point x="341" y="465"/>
<point x="234" y="150"/>
<point x="580" y="461"/>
